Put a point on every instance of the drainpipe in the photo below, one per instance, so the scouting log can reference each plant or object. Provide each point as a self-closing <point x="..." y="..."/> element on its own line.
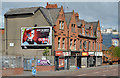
<point x="6" y="36"/>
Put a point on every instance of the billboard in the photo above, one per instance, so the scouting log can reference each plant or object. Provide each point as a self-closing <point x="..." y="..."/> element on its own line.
<point x="40" y="36"/>
<point x="115" y="42"/>
<point x="61" y="62"/>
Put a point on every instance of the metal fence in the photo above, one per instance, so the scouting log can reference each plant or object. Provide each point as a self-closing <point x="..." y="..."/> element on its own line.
<point x="11" y="62"/>
<point x="38" y="61"/>
<point x="25" y="61"/>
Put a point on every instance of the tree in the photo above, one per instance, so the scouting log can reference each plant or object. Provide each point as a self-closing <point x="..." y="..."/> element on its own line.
<point x="114" y="51"/>
<point x="46" y="51"/>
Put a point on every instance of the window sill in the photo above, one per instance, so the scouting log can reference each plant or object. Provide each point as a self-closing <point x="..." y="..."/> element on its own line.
<point x="59" y="48"/>
<point x="61" y="29"/>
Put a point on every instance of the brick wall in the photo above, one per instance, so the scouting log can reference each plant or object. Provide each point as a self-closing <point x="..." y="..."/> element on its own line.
<point x="45" y="68"/>
<point x="12" y="71"/>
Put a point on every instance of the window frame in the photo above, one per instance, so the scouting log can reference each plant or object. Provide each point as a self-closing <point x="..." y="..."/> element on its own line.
<point x="83" y="30"/>
<point x="63" y="43"/>
<point x="71" y="43"/>
<point x="60" y="24"/>
<point x="80" y="44"/>
<point x="59" y="42"/>
<point x="75" y="44"/>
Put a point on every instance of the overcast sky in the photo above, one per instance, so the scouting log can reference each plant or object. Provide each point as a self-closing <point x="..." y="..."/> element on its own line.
<point x="105" y="12"/>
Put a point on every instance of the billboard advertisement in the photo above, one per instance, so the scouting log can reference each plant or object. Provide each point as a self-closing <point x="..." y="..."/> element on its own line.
<point x="61" y="62"/>
<point x="40" y="36"/>
<point x="115" y="42"/>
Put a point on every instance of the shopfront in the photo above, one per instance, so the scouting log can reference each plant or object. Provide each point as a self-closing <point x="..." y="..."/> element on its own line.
<point x="91" y="59"/>
<point x="84" y="56"/>
<point x="75" y="60"/>
<point x="98" y="58"/>
<point x="62" y="60"/>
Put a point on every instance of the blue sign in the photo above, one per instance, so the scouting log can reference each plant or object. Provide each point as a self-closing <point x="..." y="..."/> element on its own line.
<point x="33" y="71"/>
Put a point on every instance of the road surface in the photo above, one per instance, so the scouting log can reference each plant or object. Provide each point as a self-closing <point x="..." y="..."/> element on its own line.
<point x="109" y="70"/>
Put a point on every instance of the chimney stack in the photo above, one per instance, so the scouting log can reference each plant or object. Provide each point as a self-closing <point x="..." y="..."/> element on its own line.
<point x="51" y="5"/>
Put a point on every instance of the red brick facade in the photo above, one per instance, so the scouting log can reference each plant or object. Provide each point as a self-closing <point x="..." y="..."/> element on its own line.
<point x="59" y="32"/>
<point x="73" y="35"/>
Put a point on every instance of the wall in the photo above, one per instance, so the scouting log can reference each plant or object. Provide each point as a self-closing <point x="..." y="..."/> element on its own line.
<point x="12" y="71"/>
<point x="14" y="24"/>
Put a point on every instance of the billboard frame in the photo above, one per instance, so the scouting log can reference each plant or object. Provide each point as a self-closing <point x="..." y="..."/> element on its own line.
<point x="38" y="44"/>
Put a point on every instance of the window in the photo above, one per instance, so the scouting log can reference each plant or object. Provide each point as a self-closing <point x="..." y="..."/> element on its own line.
<point x="93" y="46"/>
<point x="59" y="42"/>
<point x="74" y="27"/>
<point x="62" y="24"/>
<point x="89" y="45"/>
<point x="96" y="46"/>
<point x="82" y="30"/>
<point x="71" y="43"/>
<point x="74" y="44"/>
<point x="80" y="44"/>
<point x="63" y="43"/>
<point x="84" y="44"/>
<point x="91" y="32"/>
<point x="99" y="46"/>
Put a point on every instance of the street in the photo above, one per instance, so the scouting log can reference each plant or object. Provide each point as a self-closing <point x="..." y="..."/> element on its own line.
<point x="108" y="70"/>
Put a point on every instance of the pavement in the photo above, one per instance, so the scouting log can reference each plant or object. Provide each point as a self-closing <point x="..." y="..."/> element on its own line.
<point x="108" y="70"/>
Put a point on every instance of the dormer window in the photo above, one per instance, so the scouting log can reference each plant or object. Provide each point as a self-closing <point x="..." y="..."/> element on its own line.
<point x="73" y="28"/>
<point x="82" y="30"/>
<point x="62" y="24"/>
<point x="91" y="32"/>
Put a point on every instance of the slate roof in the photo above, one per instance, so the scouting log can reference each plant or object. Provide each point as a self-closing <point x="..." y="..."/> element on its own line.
<point x="68" y="18"/>
<point x="78" y="22"/>
<point x="95" y="24"/>
<point x="21" y="11"/>
<point x="104" y="47"/>
<point x="51" y="14"/>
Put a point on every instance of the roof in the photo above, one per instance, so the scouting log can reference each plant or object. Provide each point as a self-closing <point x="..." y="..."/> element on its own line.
<point x="95" y="24"/>
<point x="16" y="11"/>
<point x="87" y="25"/>
<point x="104" y="47"/>
<point x="51" y="14"/>
<point x="78" y="22"/>
<point x="68" y="16"/>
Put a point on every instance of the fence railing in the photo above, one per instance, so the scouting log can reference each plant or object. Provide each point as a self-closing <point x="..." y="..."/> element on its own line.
<point x="25" y="62"/>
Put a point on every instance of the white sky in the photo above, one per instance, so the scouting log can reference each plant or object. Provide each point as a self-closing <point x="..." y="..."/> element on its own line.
<point x="106" y="12"/>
